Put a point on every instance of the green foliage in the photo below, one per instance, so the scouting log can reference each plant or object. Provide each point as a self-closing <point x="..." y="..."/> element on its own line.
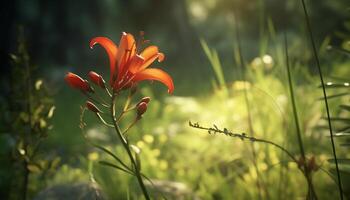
<point x="26" y="115"/>
<point x="179" y="161"/>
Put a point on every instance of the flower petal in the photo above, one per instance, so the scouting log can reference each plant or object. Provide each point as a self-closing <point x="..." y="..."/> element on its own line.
<point x="155" y="74"/>
<point x="135" y="63"/>
<point x="150" y="54"/>
<point x="110" y="48"/>
<point x="127" y="50"/>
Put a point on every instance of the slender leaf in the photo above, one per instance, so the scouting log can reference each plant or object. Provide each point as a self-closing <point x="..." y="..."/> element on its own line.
<point x="344" y="161"/>
<point x="113" y="155"/>
<point x="336" y="85"/>
<point x="345" y="107"/>
<point x="105" y="163"/>
<point x="345" y="129"/>
<point x="335" y="96"/>
<point x="338" y="119"/>
<point x="341" y="134"/>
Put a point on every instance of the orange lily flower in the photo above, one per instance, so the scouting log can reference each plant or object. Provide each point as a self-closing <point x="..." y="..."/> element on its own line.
<point x="128" y="67"/>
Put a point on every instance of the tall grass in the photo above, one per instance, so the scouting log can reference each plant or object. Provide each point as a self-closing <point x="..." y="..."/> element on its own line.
<point x="311" y="191"/>
<point x="315" y="54"/>
<point x="214" y="60"/>
<point x="240" y="62"/>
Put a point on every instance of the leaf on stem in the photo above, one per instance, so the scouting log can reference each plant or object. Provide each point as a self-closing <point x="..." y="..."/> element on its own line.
<point x="113" y="155"/>
<point x="105" y="163"/>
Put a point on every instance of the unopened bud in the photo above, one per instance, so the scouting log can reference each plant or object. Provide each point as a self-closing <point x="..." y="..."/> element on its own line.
<point x="97" y="79"/>
<point x="141" y="109"/>
<point x="92" y="107"/>
<point x="77" y="82"/>
<point x="145" y="100"/>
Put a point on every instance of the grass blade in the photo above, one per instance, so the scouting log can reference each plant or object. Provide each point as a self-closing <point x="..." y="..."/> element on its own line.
<point x="308" y="24"/>
<point x="240" y="62"/>
<point x="105" y="163"/>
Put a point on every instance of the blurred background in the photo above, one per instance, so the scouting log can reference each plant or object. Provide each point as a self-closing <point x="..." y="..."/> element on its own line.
<point x="199" y="40"/>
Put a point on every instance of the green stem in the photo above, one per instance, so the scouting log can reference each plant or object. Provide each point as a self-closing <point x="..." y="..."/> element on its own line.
<point x="308" y="24"/>
<point x="27" y="136"/>
<point x="243" y="137"/>
<point x="260" y="185"/>
<point x="25" y="180"/>
<point x="292" y="96"/>
<point x="307" y="174"/>
<point x="126" y="147"/>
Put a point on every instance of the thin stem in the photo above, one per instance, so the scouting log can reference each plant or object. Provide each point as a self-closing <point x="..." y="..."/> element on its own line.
<point x="126" y="147"/>
<point x="308" y="24"/>
<point x="98" y="146"/>
<point x="103" y="121"/>
<point x="311" y="190"/>
<point x="125" y="108"/>
<point x="242" y="136"/>
<point x="108" y="92"/>
<point x="30" y="121"/>
<point x="26" y="178"/>
<point x="250" y="123"/>
<point x="94" y="100"/>
<point x="130" y="126"/>
<point x="292" y="96"/>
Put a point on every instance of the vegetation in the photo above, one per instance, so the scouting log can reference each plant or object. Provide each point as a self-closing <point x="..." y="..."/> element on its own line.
<point x="260" y="108"/>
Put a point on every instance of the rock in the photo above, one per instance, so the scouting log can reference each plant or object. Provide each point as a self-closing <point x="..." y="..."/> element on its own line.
<point x="79" y="191"/>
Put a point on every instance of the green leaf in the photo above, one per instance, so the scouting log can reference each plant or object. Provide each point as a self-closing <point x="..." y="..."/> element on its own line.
<point x="336" y="85"/>
<point x="335" y="96"/>
<point x="38" y="84"/>
<point x="54" y="164"/>
<point x="339" y="119"/>
<point x="341" y="134"/>
<point x="343" y="161"/>
<point x="113" y="155"/>
<point x="33" y="168"/>
<point x="137" y="157"/>
<point x="345" y="107"/>
<point x="51" y="111"/>
<point x="42" y="123"/>
<point x="105" y="163"/>
<point x="344" y="129"/>
<point x="135" y="149"/>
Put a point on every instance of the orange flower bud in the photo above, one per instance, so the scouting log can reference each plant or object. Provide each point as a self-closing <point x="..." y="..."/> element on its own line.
<point x="77" y="82"/>
<point x="141" y="109"/>
<point x="97" y="79"/>
<point x="92" y="107"/>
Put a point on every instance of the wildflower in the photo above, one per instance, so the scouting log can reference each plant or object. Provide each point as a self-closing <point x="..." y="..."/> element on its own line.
<point x="128" y="66"/>
<point x="97" y="79"/>
<point x="77" y="82"/>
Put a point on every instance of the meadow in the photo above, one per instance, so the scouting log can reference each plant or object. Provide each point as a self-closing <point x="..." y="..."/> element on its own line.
<point x="260" y="107"/>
